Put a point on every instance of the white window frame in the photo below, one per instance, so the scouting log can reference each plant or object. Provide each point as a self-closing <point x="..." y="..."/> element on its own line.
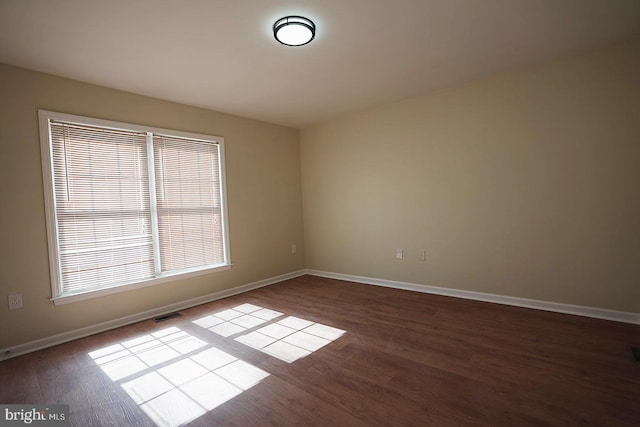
<point x="58" y="296"/>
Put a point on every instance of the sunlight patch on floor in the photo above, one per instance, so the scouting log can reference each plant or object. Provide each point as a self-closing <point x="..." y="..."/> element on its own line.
<point x="176" y="377"/>
<point x="287" y="339"/>
<point x="291" y="338"/>
<point x="129" y="357"/>
<point x="236" y="320"/>
<point x="173" y="378"/>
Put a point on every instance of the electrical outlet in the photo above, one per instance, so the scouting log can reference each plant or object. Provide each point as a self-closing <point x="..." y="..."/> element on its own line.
<point x="294" y="248"/>
<point x="15" y="301"/>
<point x="399" y="254"/>
<point x="422" y="256"/>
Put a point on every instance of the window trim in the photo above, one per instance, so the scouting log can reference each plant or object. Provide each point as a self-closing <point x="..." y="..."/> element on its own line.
<point x="58" y="297"/>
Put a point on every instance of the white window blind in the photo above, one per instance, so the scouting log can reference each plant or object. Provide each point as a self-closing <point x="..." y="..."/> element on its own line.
<point x="102" y="206"/>
<point x="189" y="203"/>
<point x="128" y="206"/>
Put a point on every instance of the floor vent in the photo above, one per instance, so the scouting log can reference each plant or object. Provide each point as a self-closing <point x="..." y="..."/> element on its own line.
<point x="167" y="317"/>
<point x="635" y="352"/>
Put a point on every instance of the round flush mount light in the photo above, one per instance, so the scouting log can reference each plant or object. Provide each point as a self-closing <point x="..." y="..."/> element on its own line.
<point x="294" y="30"/>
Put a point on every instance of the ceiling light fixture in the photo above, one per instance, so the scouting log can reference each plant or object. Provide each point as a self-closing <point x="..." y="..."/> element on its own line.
<point x="294" y="30"/>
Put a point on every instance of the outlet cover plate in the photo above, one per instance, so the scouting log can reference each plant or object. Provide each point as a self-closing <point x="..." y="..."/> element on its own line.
<point x="15" y="301"/>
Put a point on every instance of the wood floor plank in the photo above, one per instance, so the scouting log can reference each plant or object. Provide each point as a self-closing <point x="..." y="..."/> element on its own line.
<point x="405" y="359"/>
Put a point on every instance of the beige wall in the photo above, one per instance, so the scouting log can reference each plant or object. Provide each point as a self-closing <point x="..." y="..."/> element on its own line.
<point x="263" y="185"/>
<point x="526" y="185"/>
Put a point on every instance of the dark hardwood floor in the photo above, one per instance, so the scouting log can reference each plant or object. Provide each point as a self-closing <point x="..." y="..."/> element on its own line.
<point x="404" y="359"/>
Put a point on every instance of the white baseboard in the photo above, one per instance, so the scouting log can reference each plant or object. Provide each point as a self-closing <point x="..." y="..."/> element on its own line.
<point x="598" y="313"/>
<point x="39" y="344"/>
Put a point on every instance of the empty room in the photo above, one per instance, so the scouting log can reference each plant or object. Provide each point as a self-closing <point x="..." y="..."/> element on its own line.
<point x="331" y="213"/>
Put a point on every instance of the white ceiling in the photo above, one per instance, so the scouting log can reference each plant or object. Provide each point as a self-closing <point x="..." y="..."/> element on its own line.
<point x="221" y="55"/>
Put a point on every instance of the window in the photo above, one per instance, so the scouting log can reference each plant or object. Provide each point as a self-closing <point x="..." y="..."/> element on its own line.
<point x="129" y="206"/>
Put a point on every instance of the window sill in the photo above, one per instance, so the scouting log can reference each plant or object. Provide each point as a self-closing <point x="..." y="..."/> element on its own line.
<point x="70" y="298"/>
